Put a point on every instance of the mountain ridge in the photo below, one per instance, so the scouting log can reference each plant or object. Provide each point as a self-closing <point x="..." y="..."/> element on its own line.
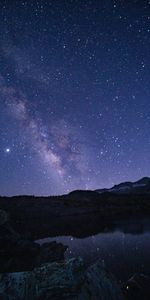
<point x="140" y="186"/>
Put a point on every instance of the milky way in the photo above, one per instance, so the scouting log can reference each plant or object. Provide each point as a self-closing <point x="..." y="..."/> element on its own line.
<point x="74" y="94"/>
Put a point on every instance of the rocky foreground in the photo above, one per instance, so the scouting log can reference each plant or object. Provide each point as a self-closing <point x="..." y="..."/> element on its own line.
<point x="34" y="272"/>
<point x="29" y="271"/>
<point x="66" y="280"/>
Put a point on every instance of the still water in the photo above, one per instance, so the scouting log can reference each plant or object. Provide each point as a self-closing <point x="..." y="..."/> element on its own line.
<point x="124" y="251"/>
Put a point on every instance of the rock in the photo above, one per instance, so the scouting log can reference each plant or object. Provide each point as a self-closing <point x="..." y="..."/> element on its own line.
<point x="67" y="280"/>
<point x="100" y="282"/>
<point x="138" y="287"/>
<point x="18" y="254"/>
<point x="20" y="285"/>
<point x="50" y="252"/>
<point x="60" y="281"/>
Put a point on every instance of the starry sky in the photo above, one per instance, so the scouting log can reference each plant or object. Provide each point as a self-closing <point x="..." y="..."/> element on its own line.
<point x="74" y="94"/>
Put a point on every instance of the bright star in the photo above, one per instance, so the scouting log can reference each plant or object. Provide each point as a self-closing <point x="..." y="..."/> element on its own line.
<point x="7" y="150"/>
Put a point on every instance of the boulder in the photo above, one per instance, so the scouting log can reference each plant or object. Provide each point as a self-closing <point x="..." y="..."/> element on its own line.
<point x="67" y="280"/>
<point x="18" y="254"/>
<point x="101" y="284"/>
<point x="50" y="252"/>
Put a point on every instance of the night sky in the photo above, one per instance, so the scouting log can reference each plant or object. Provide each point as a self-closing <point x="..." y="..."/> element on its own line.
<point x="74" y="94"/>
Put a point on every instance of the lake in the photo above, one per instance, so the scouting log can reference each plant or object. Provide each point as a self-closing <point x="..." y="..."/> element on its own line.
<point x="125" y="250"/>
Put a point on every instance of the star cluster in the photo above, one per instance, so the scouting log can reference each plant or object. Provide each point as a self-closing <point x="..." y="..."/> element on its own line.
<point x="74" y="94"/>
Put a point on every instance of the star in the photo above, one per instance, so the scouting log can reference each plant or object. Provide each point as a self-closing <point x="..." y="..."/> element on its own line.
<point x="74" y="108"/>
<point x="7" y="150"/>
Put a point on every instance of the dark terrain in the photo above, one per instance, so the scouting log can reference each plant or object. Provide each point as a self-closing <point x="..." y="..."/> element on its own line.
<point x="24" y="219"/>
<point x="91" y="211"/>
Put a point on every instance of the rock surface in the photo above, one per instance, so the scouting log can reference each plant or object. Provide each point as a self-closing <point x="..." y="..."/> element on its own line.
<point x="68" y="280"/>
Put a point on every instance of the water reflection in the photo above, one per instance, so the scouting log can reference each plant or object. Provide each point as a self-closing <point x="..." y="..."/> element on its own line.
<point x="124" y="251"/>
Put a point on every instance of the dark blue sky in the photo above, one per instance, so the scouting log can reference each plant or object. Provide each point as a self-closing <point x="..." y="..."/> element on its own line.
<point x="74" y="94"/>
